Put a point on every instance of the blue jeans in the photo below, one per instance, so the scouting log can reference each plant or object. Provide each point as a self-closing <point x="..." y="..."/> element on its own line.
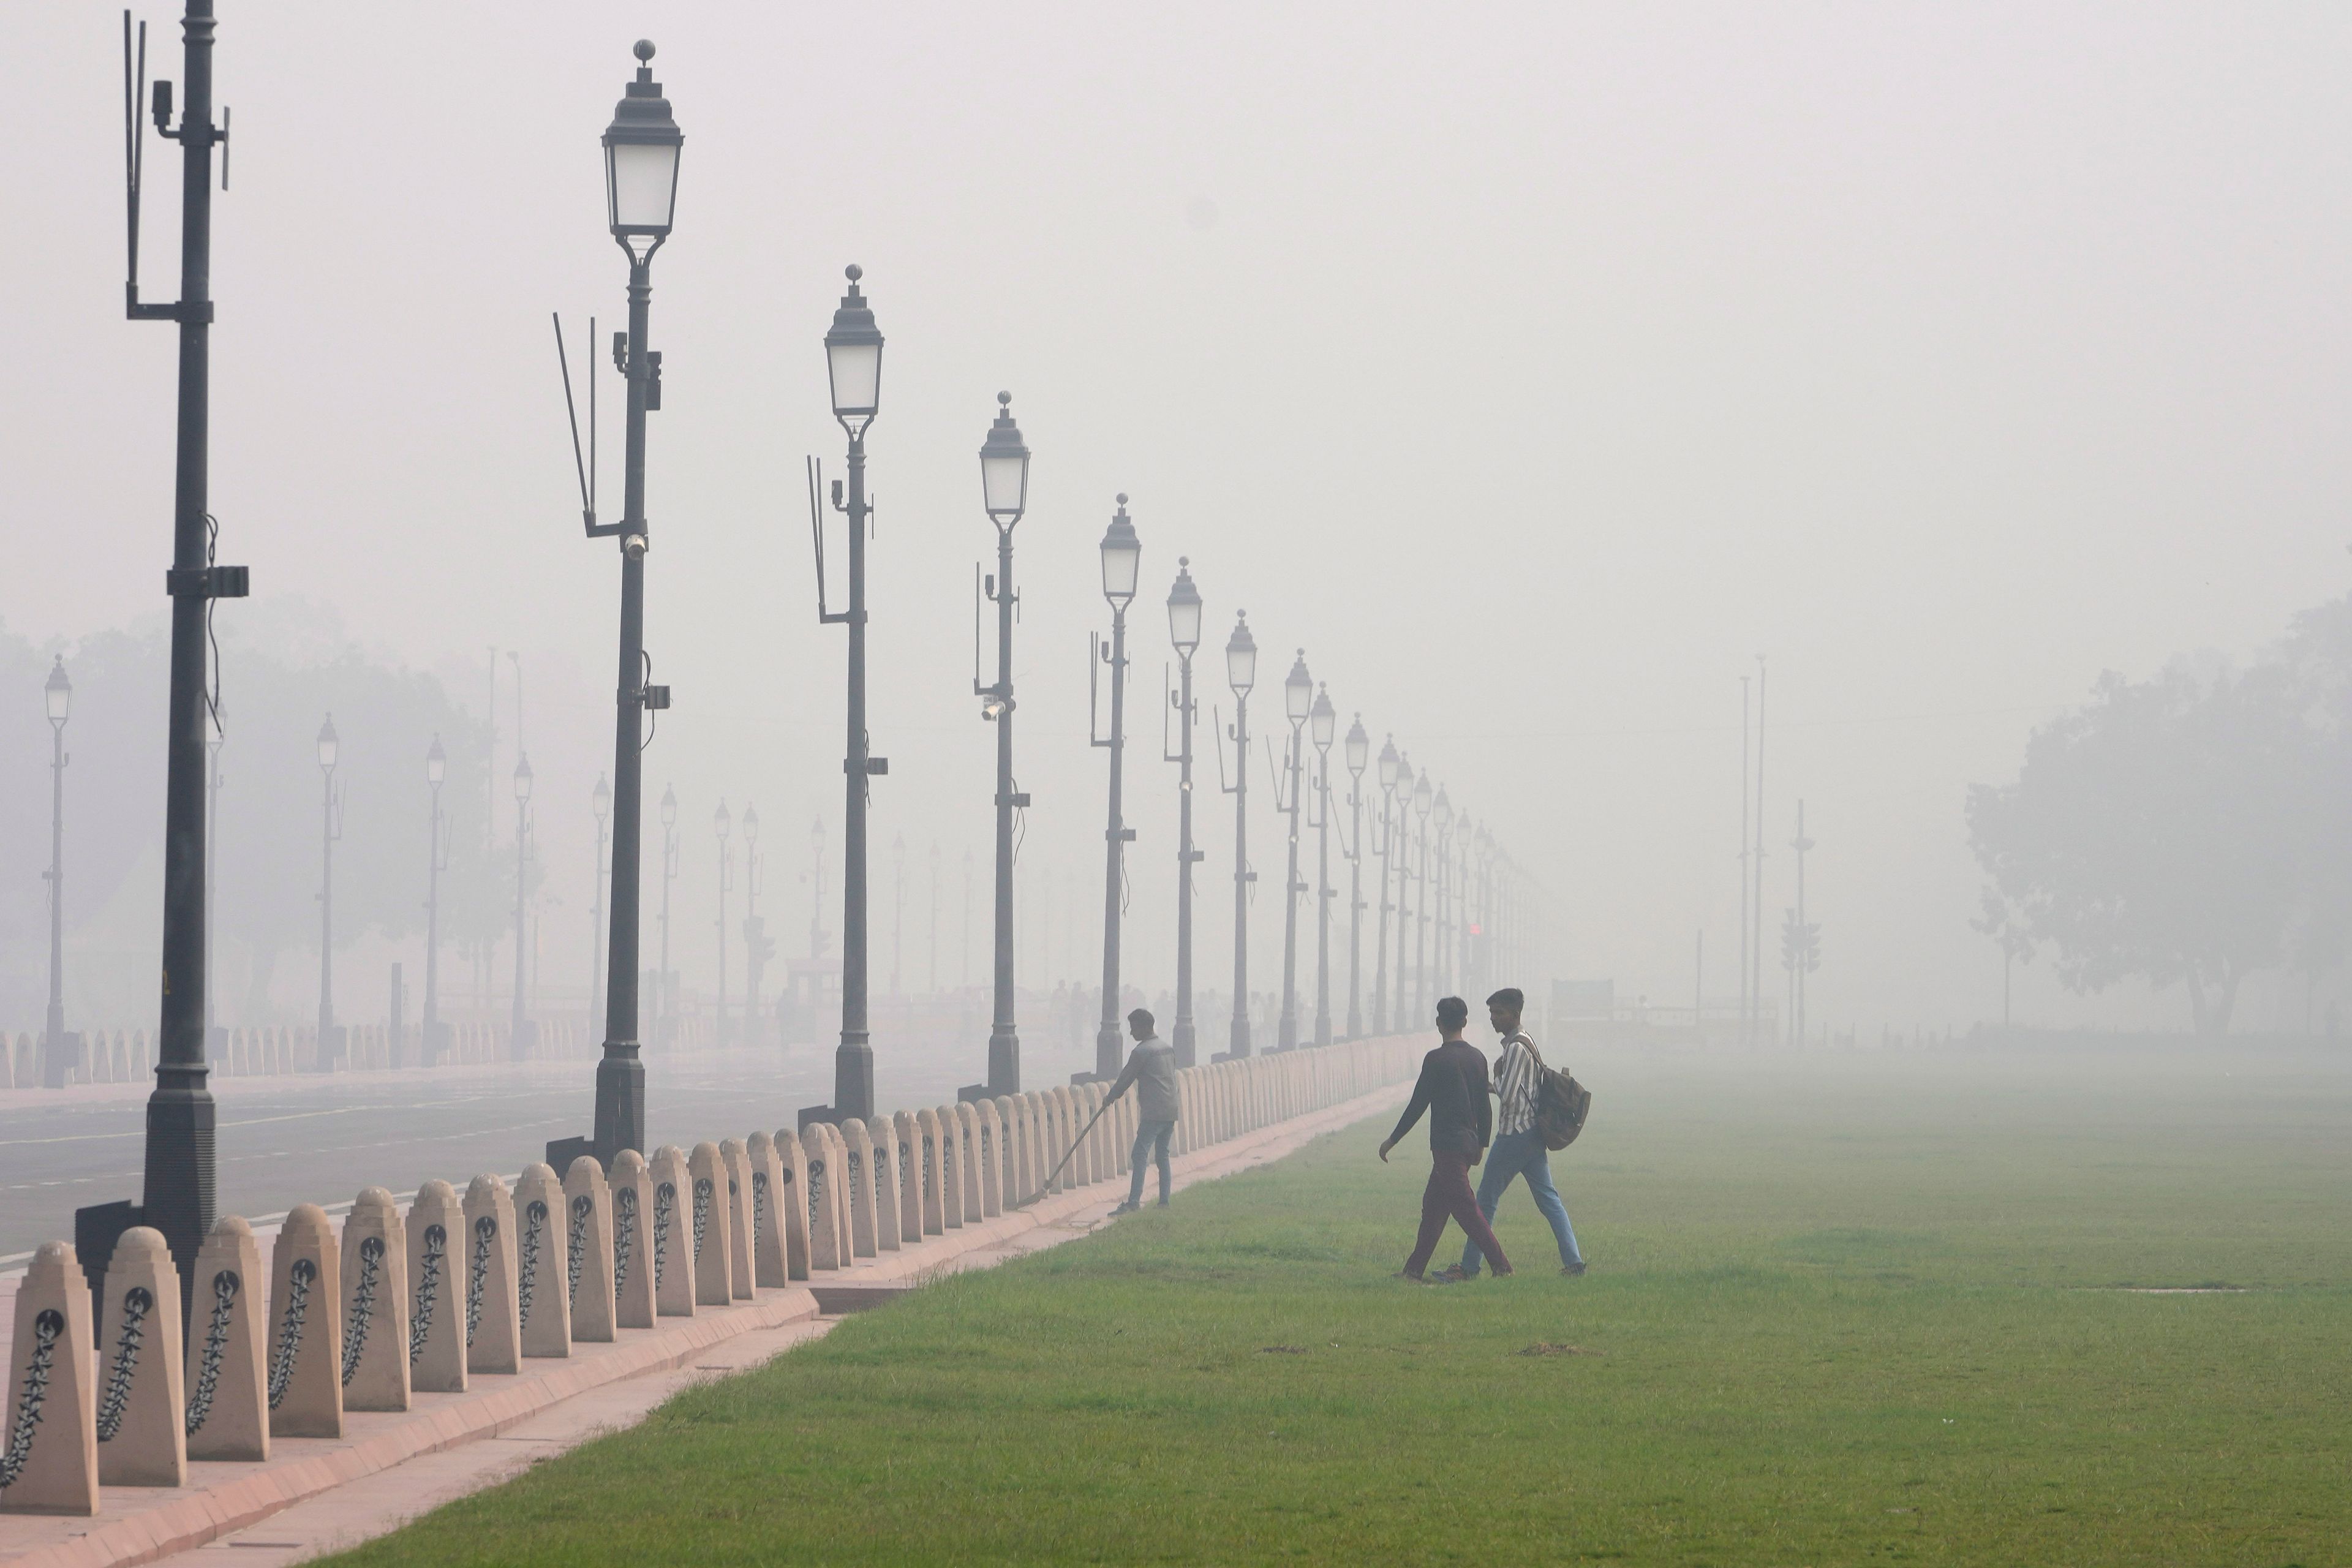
<point x="1523" y="1155"/>
<point x="1148" y="1134"/>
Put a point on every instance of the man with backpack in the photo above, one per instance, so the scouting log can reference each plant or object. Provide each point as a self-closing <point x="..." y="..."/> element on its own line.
<point x="1518" y="1148"/>
<point x="1452" y="1089"/>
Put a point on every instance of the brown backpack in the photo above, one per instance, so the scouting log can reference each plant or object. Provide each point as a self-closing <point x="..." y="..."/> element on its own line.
<point x="1561" y="1104"/>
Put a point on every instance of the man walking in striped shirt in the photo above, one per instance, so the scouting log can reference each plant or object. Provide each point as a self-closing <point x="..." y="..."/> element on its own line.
<point x="1517" y="1149"/>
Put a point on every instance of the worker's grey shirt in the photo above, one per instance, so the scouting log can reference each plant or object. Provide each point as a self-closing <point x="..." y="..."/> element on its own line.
<point x="1152" y="1069"/>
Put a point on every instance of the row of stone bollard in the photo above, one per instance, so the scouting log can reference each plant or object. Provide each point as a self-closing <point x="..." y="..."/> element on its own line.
<point x="423" y="1302"/>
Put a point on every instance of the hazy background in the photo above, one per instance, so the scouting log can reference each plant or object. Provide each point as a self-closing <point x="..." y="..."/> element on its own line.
<point x="1535" y="368"/>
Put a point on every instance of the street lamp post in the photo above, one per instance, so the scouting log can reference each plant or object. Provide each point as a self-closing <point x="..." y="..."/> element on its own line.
<point x="55" y="1054"/>
<point x="600" y="801"/>
<point x="1005" y="493"/>
<point x="722" y="821"/>
<point x="1422" y="796"/>
<point x="1441" y="951"/>
<point x="330" y="829"/>
<point x="1297" y="697"/>
<point x="642" y="146"/>
<point x="1184" y="632"/>
<point x="518" y="1041"/>
<point x="213" y="736"/>
<point x="1122" y="555"/>
<point x="436" y="769"/>
<point x="1404" y="879"/>
<point x="1241" y="674"/>
<point x="1359" y="749"/>
<point x="1390" y="763"/>
<point x="666" y="995"/>
<point x="852" y="357"/>
<point x="754" y="932"/>
<point x="1322" y="721"/>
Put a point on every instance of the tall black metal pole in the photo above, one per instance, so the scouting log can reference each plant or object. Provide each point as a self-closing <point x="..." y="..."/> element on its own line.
<point x="1106" y="1034"/>
<point x="1004" y="1037"/>
<point x="1286" y="1025"/>
<point x="1323" y="893"/>
<point x="1238" y="1045"/>
<point x="213" y="736"/>
<point x="1381" y="946"/>
<point x="1183" y="1037"/>
<point x="853" y="1062"/>
<point x="1355" y="852"/>
<point x="53" y="1030"/>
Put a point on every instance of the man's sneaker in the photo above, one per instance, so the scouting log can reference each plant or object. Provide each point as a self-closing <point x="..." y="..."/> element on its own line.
<point x="1572" y="1270"/>
<point x="1125" y="1208"/>
<point x="1163" y="1202"/>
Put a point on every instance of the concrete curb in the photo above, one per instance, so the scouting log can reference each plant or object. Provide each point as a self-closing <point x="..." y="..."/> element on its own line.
<point x="141" y="1525"/>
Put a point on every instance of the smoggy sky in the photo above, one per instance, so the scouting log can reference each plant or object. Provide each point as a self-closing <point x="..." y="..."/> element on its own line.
<point x="1535" y="368"/>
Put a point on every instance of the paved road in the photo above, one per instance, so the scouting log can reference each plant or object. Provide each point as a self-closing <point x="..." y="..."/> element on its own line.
<point x="285" y="1141"/>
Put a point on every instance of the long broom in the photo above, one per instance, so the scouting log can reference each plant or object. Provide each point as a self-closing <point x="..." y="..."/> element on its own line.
<point x="1064" y="1159"/>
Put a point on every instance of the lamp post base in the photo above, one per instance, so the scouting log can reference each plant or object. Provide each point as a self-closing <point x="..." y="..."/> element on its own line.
<point x="620" y="1111"/>
<point x="853" y="1078"/>
<point x="1184" y="1039"/>
<point x="1107" y="1053"/>
<point x="1004" y="1061"/>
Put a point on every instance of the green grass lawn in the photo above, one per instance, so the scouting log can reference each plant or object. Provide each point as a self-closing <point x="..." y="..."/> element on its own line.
<point x="1848" y="1311"/>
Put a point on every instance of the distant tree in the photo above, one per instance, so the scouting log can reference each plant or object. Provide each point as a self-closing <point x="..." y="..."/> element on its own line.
<point x="2164" y="830"/>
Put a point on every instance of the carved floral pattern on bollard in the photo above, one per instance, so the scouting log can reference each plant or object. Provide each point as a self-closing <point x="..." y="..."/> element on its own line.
<point x="543" y="1263"/>
<point x="773" y="1199"/>
<point x="588" y="1252"/>
<point x="882" y="1140"/>
<point x="437" y="1284"/>
<point x="969" y="1163"/>
<point x="858" y="1185"/>
<point x="227" y="1408"/>
<point x="937" y="1148"/>
<point x="374" y="1371"/>
<point x="669" y="1239"/>
<point x="633" y="1250"/>
<point x="1011" y="1153"/>
<point x="48" y="1449"/>
<point x="141" y="1417"/>
<point x="714" y="1227"/>
<point x="305" y="1385"/>
<point x="740" y="1195"/>
<point x="827" y="1249"/>
<point x="493" y="1308"/>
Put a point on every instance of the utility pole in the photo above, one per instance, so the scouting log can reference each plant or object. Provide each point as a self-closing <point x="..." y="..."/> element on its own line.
<point x="1122" y="554"/>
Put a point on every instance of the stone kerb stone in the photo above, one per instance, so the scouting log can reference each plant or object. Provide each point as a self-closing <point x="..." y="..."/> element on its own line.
<point x="588" y="1252"/>
<point x="883" y="1178"/>
<point x="306" y="1342"/>
<point x="667" y="1238"/>
<point x="374" y="1371"/>
<point x="631" y="1240"/>
<point x="228" y="1410"/>
<point x="141" y="1414"/>
<point x="51" y="1419"/>
<point x="821" y="1175"/>
<point x="857" y="1183"/>
<point x="770" y="1252"/>
<point x="962" y="1122"/>
<point x="493" y="1310"/>
<point x="934" y="1148"/>
<point x="843" y="1190"/>
<point x="543" y="1263"/>
<point x="984" y="1146"/>
<point x="911" y="1176"/>
<point x="710" y="1214"/>
<point x="437" y="1283"/>
<point x="793" y="1201"/>
<point x="633" y="1217"/>
<point x="736" y="1163"/>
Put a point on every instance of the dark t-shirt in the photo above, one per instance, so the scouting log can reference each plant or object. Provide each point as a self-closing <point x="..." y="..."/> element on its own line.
<point x="1452" y="1089"/>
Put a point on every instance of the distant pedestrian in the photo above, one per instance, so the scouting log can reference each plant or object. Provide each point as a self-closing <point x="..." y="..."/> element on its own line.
<point x="1518" y="1148"/>
<point x="1151" y="1069"/>
<point x="1452" y="1089"/>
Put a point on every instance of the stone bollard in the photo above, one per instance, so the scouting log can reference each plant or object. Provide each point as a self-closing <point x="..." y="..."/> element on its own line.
<point x="737" y="1162"/>
<point x="374" y="1374"/>
<point x="142" y="1411"/>
<point x="842" y="1187"/>
<point x="951" y="1137"/>
<point x="493" y="1313"/>
<point x="1039" y="1137"/>
<point x="306" y="1342"/>
<point x="711" y="1215"/>
<point x="823" y="1173"/>
<point x="543" y="1263"/>
<point x="588" y="1252"/>
<point x="857" y="1183"/>
<point x="48" y="1444"/>
<point x="884" y="1180"/>
<point x="968" y="1139"/>
<point x="933" y="1148"/>
<point x="1059" y="1102"/>
<point x="994" y="1153"/>
<point x="633" y="1267"/>
<point x="665" y="1239"/>
<point x="227" y="1408"/>
<point x="437" y="1284"/>
<point x="911" y="1177"/>
<point x="1012" y="1152"/>
<point x="770" y="1253"/>
<point x="792" y="1198"/>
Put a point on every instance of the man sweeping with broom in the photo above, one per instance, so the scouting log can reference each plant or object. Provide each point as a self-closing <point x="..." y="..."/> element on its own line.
<point x="1151" y="1069"/>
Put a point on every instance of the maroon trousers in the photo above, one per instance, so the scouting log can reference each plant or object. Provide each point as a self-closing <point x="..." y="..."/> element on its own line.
<point x="1449" y="1192"/>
